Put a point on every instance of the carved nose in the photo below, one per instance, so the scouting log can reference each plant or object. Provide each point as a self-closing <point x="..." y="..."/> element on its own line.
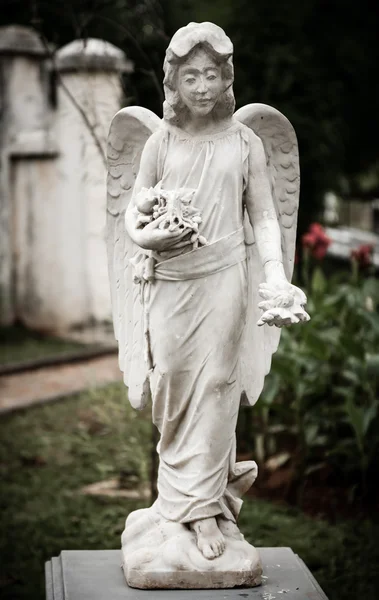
<point x="202" y="87"/>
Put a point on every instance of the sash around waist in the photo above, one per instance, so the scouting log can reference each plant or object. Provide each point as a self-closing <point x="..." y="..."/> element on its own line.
<point x="207" y="260"/>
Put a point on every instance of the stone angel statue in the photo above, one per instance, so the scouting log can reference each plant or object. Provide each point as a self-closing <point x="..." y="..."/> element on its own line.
<point x="201" y="226"/>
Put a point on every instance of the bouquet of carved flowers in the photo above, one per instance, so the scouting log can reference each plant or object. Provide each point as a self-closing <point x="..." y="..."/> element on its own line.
<point x="176" y="207"/>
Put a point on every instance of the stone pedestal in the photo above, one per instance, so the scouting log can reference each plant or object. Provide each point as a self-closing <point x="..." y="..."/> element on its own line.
<point x="97" y="575"/>
<point x="160" y="554"/>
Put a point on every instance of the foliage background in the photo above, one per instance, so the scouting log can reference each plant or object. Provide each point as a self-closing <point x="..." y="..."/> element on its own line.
<point x="320" y="401"/>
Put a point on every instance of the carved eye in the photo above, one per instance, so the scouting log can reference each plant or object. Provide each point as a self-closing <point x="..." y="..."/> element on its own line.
<point x="211" y="77"/>
<point x="190" y="80"/>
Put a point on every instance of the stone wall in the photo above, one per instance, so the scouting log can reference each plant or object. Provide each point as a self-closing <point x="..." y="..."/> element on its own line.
<point x="53" y="267"/>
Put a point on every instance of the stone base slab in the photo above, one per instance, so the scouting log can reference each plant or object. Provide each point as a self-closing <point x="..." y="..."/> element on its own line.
<point x="161" y="554"/>
<point x="97" y="575"/>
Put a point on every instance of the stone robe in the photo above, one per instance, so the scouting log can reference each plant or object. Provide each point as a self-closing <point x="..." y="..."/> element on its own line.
<point x="195" y="331"/>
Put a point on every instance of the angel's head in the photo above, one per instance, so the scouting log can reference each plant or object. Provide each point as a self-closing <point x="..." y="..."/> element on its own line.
<point x="198" y="74"/>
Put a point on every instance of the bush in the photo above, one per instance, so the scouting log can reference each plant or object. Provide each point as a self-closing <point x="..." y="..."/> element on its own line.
<point x="320" y="400"/>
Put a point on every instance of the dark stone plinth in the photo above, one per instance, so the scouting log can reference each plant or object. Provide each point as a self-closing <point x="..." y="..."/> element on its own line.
<point x="97" y="575"/>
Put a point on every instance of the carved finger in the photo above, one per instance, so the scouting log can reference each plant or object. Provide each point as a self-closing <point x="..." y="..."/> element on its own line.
<point x="302" y="315"/>
<point x="177" y="236"/>
<point x="265" y="294"/>
<point x="143" y="220"/>
<point x="164" y="224"/>
<point x="179" y="245"/>
<point x="155" y="223"/>
<point x="265" y="305"/>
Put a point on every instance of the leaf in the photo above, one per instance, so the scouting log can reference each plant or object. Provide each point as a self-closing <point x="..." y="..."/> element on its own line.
<point x="300" y="390"/>
<point x="317" y="346"/>
<point x="372" y="319"/>
<point x="345" y="392"/>
<point x="371" y="288"/>
<point x="311" y="432"/>
<point x="318" y="283"/>
<point x="356" y="420"/>
<point x="372" y="364"/>
<point x="351" y="376"/>
<point x="369" y="416"/>
<point x="271" y="389"/>
<point x="277" y="461"/>
<point x="274" y="429"/>
<point x="314" y="468"/>
<point x="330" y="335"/>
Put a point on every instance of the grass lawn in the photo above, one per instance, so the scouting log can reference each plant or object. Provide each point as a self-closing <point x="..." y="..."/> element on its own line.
<point x="47" y="453"/>
<point x="18" y="344"/>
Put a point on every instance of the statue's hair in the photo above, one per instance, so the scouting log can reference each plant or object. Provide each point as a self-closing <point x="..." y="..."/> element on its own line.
<point x="184" y="43"/>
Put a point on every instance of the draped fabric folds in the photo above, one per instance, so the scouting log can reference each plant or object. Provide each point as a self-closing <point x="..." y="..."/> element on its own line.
<point x="196" y="317"/>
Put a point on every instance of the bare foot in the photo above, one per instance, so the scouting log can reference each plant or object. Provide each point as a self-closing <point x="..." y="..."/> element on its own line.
<point x="210" y="540"/>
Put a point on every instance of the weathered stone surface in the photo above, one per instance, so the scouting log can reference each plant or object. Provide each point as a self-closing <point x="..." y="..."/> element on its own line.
<point x="34" y="144"/>
<point x="19" y="40"/>
<point x="53" y="266"/>
<point x="79" y="198"/>
<point x="161" y="554"/>
<point x="24" y="109"/>
<point x="92" y="54"/>
<point x="96" y="575"/>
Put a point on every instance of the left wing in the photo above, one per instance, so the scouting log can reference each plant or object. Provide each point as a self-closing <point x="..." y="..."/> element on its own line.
<point x="280" y="144"/>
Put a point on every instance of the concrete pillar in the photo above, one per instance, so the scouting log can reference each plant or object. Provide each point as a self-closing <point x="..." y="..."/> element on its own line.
<point x="23" y="110"/>
<point x="88" y="82"/>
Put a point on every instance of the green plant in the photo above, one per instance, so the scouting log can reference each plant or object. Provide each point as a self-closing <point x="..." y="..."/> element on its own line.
<point x="321" y="397"/>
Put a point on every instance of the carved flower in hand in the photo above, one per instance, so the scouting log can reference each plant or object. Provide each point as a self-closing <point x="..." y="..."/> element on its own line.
<point x="282" y="304"/>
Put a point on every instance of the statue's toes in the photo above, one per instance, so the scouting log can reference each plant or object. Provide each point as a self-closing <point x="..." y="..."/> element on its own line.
<point x="208" y="551"/>
<point x="217" y="547"/>
<point x="220" y="547"/>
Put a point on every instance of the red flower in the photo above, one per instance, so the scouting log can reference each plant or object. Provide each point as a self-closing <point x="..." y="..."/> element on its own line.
<point x="363" y="254"/>
<point x="316" y="241"/>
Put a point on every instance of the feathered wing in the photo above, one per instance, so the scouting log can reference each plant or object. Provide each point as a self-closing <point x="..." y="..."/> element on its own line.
<point x="130" y="129"/>
<point x="280" y="144"/>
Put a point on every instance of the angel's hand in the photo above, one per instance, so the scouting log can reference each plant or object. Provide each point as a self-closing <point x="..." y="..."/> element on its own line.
<point x="184" y="241"/>
<point x="283" y="304"/>
<point x="152" y="237"/>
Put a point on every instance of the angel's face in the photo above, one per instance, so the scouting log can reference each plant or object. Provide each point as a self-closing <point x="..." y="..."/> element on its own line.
<point x="200" y="83"/>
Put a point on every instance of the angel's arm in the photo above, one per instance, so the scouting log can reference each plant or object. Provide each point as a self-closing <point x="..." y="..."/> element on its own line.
<point x="146" y="177"/>
<point x="151" y="237"/>
<point x="262" y="214"/>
